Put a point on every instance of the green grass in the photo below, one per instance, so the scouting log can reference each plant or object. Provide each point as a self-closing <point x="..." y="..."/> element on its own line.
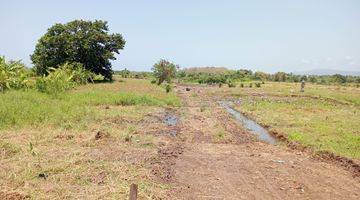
<point x="322" y="124"/>
<point x="57" y="136"/>
<point x="350" y="95"/>
<point x="75" y="108"/>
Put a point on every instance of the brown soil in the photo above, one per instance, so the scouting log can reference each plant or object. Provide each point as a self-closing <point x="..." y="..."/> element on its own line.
<point x="200" y="163"/>
<point x="12" y="196"/>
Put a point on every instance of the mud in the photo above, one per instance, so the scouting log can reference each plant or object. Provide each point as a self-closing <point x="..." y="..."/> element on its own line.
<point x="170" y="119"/>
<point x="163" y="165"/>
<point x="324" y="156"/>
<point x="257" y="171"/>
<point x="164" y="123"/>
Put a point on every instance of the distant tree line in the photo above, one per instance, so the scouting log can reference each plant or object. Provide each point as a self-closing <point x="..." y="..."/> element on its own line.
<point x="125" y="73"/>
<point x="244" y="75"/>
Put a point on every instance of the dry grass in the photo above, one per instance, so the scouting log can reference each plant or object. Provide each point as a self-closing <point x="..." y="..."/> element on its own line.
<point x="98" y="161"/>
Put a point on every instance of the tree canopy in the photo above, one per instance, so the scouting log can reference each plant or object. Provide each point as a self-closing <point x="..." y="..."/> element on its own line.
<point x="85" y="42"/>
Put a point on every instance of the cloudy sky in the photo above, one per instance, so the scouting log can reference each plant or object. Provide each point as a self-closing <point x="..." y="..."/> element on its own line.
<point x="269" y="35"/>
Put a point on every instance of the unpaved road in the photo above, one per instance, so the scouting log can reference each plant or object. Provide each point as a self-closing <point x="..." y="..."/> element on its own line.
<point x="221" y="160"/>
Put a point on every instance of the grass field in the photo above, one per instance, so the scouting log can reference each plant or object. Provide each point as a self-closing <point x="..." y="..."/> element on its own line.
<point x="323" y="117"/>
<point x="93" y="141"/>
<point x="85" y="144"/>
<point x="22" y="108"/>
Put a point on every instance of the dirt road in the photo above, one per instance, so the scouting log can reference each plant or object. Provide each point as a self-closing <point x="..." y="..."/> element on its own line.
<point x="221" y="160"/>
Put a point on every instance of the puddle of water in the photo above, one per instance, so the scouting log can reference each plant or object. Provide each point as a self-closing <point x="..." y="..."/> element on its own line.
<point x="170" y="119"/>
<point x="249" y="124"/>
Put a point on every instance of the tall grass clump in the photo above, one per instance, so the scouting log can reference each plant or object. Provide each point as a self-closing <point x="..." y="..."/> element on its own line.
<point x="13" y="75"/>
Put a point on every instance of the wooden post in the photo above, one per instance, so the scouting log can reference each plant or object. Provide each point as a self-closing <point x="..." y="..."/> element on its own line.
<point x="133" y="192"/>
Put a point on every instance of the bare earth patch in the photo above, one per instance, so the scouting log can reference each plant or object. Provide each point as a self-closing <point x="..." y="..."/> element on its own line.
<point x="239" y="167"/>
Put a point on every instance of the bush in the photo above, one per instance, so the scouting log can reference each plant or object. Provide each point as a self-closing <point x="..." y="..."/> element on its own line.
<point x="13" y="75"/>
<point x="242" y="85"/>
<point x="153" y="81"/>
<point x="164" y="71"/>
<point x="250" y="85"/>
<point x="230" y="83"/>
<point x="257" y="85"/>
<point x="64" y="78"/>
<point x="168" y="88"/>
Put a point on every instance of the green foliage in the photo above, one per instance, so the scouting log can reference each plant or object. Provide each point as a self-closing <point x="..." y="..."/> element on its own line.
<point x="71" y="109"/>
<point x="164" y="71"/>
<point x="337" y="78"/>
<point x="13" y="75"/>
<point x="242" y="85"/>
<point x="85" y="42"/>
<point x="320" y="124"/>
<point x="257" y="85"/>
<point x="280" y="77"/>
<point x="214" y="79"/>
<point x="168" y="88"/>
<point x="64" y="78"/>
<point x="250" y="85"/>
<point x="261" y="76"/>
<point x="216" y="75"/>
<point x="230" y="83"/>
<point x="125" y="73"/>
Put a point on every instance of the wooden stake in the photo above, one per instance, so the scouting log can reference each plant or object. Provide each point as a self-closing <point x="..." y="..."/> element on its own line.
<point x="133" y="192"/>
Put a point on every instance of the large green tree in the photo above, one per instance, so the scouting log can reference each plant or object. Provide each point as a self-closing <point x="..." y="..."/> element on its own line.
<point x="86" y="42"/>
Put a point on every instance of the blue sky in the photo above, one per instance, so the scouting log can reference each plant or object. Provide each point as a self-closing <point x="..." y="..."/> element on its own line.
<point x="267" y="35"/>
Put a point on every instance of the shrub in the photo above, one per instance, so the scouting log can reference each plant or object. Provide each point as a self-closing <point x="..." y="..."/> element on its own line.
<point x="13" y="75"/>
<point x="153" y="81"/>
<point x="242" y="85"/>
<point x="168" y="88"/>
<point x="258" y="85"/>
<point x="63" y="78"/>
<point x="250" y="85"/>
<point x="164" y="71"/>
<point x="230" y="83"/>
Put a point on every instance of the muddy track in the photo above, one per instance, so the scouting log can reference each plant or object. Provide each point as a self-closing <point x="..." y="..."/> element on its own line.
<point x="213" y="157"/>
